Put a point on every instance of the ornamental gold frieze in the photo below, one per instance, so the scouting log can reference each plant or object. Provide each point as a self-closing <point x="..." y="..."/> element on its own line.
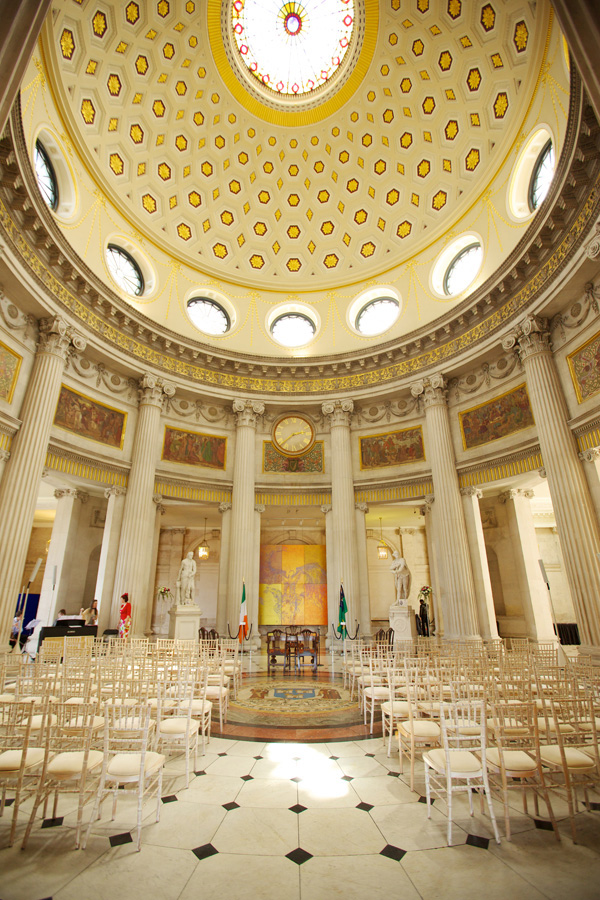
<point x="323" y="384"/>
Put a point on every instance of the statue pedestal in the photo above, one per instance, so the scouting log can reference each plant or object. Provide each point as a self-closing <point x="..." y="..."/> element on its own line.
<point x="402" y="620"/>
<point x="184" y="622"/>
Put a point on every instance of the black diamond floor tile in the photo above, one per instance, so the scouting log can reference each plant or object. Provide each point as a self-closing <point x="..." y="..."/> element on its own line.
<point x="297" y="808"/>
<point x="170" y="798"/>
<point x="370" y="755"/>
<point x="299" y="856"/>
<point x="230" y="806"/>
<point x="334" y="757"/>
<point x="204" y="851"/>
<point x="222" y="754"/>
<point x="117" y="839"/>
<point x="422" y="800"/>
<point x="393" y="852"/>
<point x="475" y="841"/>
<point x="346" y="778"/>
<point x="200" y="773"/>
<point x="394" y="774"/>
<point x="247" y="778"/>
<point x="366" y="807"/>
<point x="258" y="757"/>
<point x="595" y="806"/>
<point x="544" y="825"/>
<point x="9" y="802"/>
<point x="52" y="823"/>
<point x="296" y="779"/>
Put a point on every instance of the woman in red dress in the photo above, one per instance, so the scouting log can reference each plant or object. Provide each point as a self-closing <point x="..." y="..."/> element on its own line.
<point x="125" y="616"/>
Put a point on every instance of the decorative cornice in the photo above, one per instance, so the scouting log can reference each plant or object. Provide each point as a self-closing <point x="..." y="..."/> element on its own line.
<point x="556" y="233"/>
<point x="483" y="376"/>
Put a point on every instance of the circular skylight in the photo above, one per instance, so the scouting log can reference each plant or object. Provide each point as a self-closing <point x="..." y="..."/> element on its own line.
<point x="463" y="269"/>
<point x="542" y="176"/>
<point x="377" y="316"/>
<point x="124" y="270"/>
<point x="293" y="329"/>
<point x="208" y="315"/>
<point x="293" y="47"/>
<point x="46" y="179"/>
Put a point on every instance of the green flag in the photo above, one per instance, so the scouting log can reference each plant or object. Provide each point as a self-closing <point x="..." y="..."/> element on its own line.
<point x="343" y="613"/>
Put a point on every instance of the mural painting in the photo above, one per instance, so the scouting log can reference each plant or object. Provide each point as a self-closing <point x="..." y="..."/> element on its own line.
<point x="10" y="363"/>
<point x="392" y="449"/>
<point x="584" y="365"/>
<point x="274" y="461"/>
<point x="194" y="449"/>
<point x="90" y="419"/>
<point x="496" y="419"/>
<point x="293" y="585"/>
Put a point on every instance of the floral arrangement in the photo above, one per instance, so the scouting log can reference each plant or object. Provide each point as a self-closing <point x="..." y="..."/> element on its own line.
<point x="425" y="592"/>
<point x="164" y="592"/>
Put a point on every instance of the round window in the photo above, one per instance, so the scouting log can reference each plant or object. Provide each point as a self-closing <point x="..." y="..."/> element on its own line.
<point x="125" y="270"/>
<point x="541" y="177"/>
<point x="463" y="269"/>
<point x="293" y="329"/>
<point x="208" y="315"/>
<point x="46" y="177"/>
<point x="377" y="316"/>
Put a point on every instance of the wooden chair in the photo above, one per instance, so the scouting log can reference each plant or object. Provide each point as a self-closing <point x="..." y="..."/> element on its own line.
<point x="307" y="650"/>
<point x="277" y="648"/>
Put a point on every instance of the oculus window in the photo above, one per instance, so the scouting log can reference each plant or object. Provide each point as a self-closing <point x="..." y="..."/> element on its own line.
<point x="293" y="329"/>
<point x="46" y="177"/>
<point x="124" y="270"/>
<point x="208" y="315"/>
<point x="463" y="269"/>
<point x="377" y="316"/>
<point x="541" y="177"/>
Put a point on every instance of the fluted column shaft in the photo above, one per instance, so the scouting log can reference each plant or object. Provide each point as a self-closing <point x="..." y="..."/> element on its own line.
<point x="435" y="609"/>
<point x="242" y="544"/>
<point x="135" y="546"/>
<point x="108" y="613"/>
<point x="458" y="594"/>
<point x="55" y="592"/>
<point x="339" y="413"/>
<point x="225" y="510"/>
<point x="364" y="609"/>
<point x="333" y="588"/>
<point x="484" y="597"/>
<point x="20" y="484"/>
<point x="152" y="587"/>
<point x="576" y="522"/>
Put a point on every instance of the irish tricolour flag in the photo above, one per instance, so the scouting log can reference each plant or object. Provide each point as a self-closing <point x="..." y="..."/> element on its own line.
<point x="243" y="629"/>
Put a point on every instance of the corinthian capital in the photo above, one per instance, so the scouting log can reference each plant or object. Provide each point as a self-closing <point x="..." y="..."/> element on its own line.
<point x="246" y="412"/>
<point x="153" y="389"/>
<point x="57" y="337"/>
<point x="529" y="337"/>
<point x="61" y="493"/>
<point x="431" y="390"/>
<point x="339" y="412"/>
<point x="471" y="491"/>
<point x="513" y="493"/>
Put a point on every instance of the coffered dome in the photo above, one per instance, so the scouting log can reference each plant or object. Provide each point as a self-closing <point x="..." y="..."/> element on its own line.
<point x="216" y="188"/>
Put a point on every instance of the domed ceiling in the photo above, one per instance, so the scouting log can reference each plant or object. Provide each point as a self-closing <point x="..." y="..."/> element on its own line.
<point x="223" y="189"/>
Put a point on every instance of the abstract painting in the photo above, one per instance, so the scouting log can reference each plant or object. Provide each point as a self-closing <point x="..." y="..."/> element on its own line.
<point x="90" y="419"/>
<point x="584" y="365"/>
<point x="395" y="448"/>
<point x="496" y="419"/>
<point x="293" y="585"/>
<point x="10" y="363"/>
<point x="274" y="461"/>
<point x="194" y="449"/>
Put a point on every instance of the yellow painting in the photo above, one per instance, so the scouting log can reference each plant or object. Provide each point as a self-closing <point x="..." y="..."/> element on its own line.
<point x="269" y="604"/>
<point x="292" y="604"/>
<point x="315" y="604"/>
<point x="292" y="585"/>
<point x="292" y="563"/>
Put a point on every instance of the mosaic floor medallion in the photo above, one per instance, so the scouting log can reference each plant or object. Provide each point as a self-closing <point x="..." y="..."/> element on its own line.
<point x="303" y="703"/>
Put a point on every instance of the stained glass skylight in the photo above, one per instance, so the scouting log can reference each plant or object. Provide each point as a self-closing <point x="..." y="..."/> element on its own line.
<point x="293" y="47"/>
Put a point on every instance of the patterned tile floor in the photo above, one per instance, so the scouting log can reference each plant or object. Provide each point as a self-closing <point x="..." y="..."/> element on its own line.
<point x="331" y="818"/>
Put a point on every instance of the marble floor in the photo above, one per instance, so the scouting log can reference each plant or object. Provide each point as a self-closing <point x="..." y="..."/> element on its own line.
<point x="319" y="820"/>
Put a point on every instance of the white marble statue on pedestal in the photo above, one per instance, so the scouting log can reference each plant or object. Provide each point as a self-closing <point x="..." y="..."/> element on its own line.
<point x="184" y="594"/>
<point x="402" y="578"/>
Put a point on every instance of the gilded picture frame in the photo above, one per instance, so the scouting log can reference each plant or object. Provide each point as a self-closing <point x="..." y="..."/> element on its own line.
<point x="503" y="419"/>
<point x="89" y="418"/>
<point x="10" y="366"/>
<point x="376" y="450"/>
<point x="579" y="361"/>
<point x="194" y="448"/>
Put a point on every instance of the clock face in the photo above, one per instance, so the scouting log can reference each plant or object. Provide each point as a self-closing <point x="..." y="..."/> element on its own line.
<point x="293" y="435"/>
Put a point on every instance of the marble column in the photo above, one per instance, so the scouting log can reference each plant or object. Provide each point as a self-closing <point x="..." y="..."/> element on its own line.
<point x="526" y="552"/>
<point x="253" y="605"/>
<point x="345" y="555"/>
<point x="333" y="588"/>
<point x="108" y="613"/>
<point x="55" y="593"/>
<point x="20" y="484"/>
<point x="592" y="474"/>
<point x="135" y="547"/>
<point x="4" y="458"/>
<point x="364" y="618"/>
<point x="435" y="609"/>
<point x="458" y="593"/>
<point x="243" y="545"/>
<point x="486" y="611"/>
<point x="225" y="511"/>
<point x="152" y="586"/>
<point x="576" y="520"/>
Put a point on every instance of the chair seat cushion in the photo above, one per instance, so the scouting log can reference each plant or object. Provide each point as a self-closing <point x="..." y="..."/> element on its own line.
<point x="70" y="764"/>
<point x="462" y="762"/>
<point x="10" y="760"/>
<point x="395" y="708"/>
<point x="76" y="724"/>
<point x="377" y="693"/>
<point x="516" y="762"/>
<point x="177" y="725"/>
<point x="565" y="728"/>
<point x="38" y="720"/>
<point x="576" y="759"/>
<point x="421" y="728"/>
<point x="127" y="765"/>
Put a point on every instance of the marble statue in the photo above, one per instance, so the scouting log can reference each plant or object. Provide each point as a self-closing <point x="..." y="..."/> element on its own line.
<point x="185" y="580"/>
<point x="402" y="578"/>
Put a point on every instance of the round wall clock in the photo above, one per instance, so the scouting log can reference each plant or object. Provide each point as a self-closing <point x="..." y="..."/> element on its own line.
<point x="293" y="434"/>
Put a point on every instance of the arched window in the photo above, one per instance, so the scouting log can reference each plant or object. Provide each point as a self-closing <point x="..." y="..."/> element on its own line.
<point x="46" y="176"/>
<point x="293" y="329"/>
<point x="125" y="270"/>
<point x="541" y="177"/>
<point x="208" y="315"/>
<point x="463" y="269"/>
<point x="377" y="316"/>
